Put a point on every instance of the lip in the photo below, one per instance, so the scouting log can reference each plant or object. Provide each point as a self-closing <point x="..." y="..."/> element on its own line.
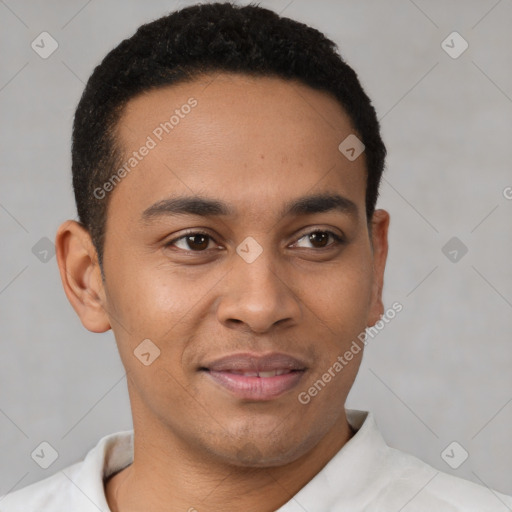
<point x="256" y="377"/>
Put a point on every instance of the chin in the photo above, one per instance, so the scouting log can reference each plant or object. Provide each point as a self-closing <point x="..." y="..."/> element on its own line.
<point x="251" y="455"/>
<point x="265" y="449"/>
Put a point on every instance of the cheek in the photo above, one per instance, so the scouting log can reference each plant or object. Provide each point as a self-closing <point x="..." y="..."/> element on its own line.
<point x="149" y="300"/>
<point x="340" y="293"/>
<point x="149" y="305"/>
<point x="162" y="304"/>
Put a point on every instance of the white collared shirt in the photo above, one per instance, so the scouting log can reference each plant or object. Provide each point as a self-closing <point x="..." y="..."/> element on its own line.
<point x="365" y="475"/>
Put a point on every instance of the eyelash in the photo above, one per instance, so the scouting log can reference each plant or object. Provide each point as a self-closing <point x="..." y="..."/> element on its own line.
<point x="338" y="240"/>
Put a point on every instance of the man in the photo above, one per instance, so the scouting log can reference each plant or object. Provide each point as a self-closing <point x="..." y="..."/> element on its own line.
<point x="226" y="165"/>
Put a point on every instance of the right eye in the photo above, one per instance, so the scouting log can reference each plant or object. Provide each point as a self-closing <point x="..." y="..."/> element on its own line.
<point x="195" y="241"/>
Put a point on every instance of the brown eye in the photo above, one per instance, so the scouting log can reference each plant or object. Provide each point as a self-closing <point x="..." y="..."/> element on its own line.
<point x="196" y="242"/>
<point x="319" y="239"/>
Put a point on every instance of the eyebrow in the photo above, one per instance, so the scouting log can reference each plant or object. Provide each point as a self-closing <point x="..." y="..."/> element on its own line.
<point x="204" y="207"/>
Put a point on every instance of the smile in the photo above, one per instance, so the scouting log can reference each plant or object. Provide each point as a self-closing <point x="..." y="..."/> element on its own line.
<point x="256" y="377"/>
<point x="263" y="375"/>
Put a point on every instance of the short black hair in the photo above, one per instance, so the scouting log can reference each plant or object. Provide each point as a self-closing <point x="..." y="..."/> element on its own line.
<point x="205" y="38"/>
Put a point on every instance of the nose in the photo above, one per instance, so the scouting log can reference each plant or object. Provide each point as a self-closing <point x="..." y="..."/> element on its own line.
<point x="257" y="296"/>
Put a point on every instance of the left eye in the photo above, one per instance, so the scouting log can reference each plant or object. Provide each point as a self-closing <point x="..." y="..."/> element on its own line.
<point x="319" y="239"/>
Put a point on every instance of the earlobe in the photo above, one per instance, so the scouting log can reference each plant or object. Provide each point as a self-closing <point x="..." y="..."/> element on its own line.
<point x="81" y="276"/>
<point x="380" y="225"/>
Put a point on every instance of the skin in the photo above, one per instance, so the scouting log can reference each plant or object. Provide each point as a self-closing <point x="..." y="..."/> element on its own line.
<point x="255" y="144"/>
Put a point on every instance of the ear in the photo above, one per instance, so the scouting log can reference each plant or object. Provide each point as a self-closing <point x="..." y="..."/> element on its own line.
<point x="81" y="276"/>
<point x="379" y="237"/>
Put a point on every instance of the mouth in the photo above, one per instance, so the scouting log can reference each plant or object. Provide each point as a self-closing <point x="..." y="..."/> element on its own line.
<point x="256" y="377"/>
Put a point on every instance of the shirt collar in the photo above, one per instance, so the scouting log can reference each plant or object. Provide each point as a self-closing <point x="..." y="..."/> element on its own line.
<point x="112" y="453"/>
<point x="349" y="473"/>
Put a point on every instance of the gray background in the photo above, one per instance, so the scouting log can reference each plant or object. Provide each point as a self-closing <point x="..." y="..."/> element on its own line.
<point x="439" y="372"/>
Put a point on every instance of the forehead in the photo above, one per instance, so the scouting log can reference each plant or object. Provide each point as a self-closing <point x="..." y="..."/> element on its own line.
<point x="237" y="138"/>
<point x="237" y="99"/>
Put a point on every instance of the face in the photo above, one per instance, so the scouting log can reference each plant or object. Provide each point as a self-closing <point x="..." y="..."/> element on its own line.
<point x="238" y="245"/>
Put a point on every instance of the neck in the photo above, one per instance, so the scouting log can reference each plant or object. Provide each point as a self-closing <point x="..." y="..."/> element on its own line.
<point x="172" y="478"/>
